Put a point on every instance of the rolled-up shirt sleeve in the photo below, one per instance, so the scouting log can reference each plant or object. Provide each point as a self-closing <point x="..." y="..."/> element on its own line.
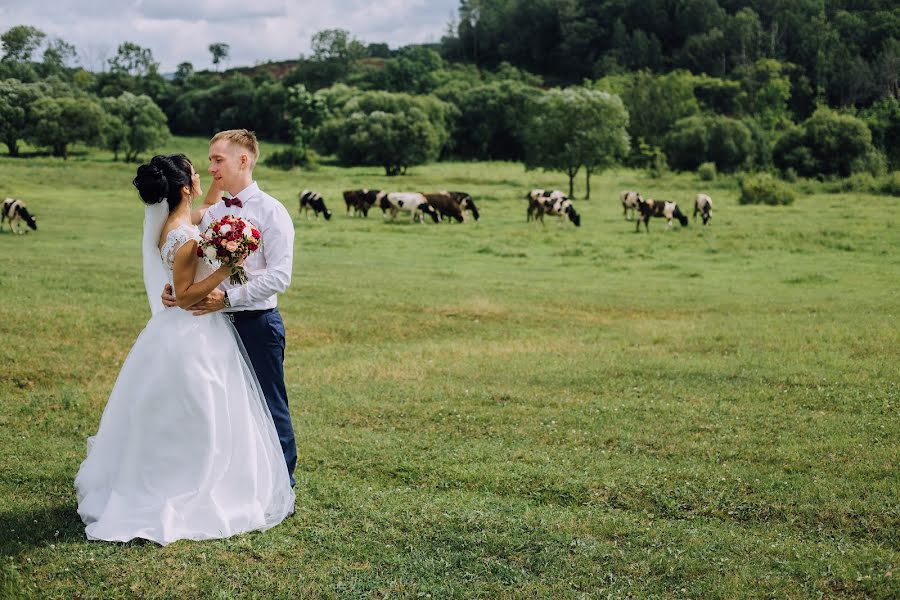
<point x="278" y="252"/>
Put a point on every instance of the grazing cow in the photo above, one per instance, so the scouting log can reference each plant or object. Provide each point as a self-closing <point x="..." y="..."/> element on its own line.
<point x="562" y="208"/>
<point x="540" y="201"/>
<point x="14" y="211"/>
<point x="703" y="205"/>
<point x="659" y="208"/>
<point x="629" y="201"/>
<point x="313" y="200"/>
<point x="452" y="205"/>
<point x="361" y="201"/>
<point x="413" y="202"/>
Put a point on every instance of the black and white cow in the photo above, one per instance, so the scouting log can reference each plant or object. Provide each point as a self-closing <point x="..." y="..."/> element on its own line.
<point x="360" y="201"/>
<point x="14" y="211"/>
<point x="412" y="202"/>
<point x="659" y="208"/>
<point x="453" y="205"/>
<point x="552" y="201"/>
<point x="629" y="201"/>
<point x="310" y="200"/>
<point x="703" y="205"/>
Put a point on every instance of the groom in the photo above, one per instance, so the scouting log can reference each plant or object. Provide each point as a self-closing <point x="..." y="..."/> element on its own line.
<point x="252" y="306"/>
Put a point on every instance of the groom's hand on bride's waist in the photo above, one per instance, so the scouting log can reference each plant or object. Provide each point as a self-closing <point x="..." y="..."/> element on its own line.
<point x="213" y="302"/>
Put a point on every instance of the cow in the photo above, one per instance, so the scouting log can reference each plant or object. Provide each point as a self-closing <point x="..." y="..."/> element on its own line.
<point x="452" y="205"/>
<point x="629" y="201"/>
<point x="659" y="208"/>
<point x="360" y="201"/>
<point x="413" y="202"/>
<point x="539" y="201"/>
<point x="562" y="207"/>
<point x="703" y="205"/>
<point x="14" y="210"/>
<point x="313" y="200"/>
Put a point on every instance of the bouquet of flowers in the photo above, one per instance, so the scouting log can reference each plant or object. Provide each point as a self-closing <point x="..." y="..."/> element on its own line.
<point x="230" y="240"/>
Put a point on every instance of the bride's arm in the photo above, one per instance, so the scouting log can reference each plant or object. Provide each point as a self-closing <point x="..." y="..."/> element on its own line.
<point x="187" y="291"/>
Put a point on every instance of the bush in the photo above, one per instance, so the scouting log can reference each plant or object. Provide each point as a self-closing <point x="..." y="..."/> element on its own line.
<point x="828" y="143"/>
<point x="890" y="184"/>
<point x="698" y="139"/>
<point x="707" y="171"/>
<point x="765" y="189"/>
<point x="292" y="157"/>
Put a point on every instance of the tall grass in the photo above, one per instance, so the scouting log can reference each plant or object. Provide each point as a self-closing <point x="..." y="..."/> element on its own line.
<point x="493" y="409"/>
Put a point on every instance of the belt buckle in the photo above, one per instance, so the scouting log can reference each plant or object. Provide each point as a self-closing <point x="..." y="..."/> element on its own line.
<point x="230" y="316"/>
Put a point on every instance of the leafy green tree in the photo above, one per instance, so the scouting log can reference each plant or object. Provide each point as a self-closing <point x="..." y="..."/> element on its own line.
<point x="20" y="42"/>
<point x="16" y="101"/>
<point x="413" y="70"/>
<point x="143" y="123"/>
<point x="219" y="52"/>
<point x="576" y="127"/>
<point x="392" y="130"/>
<point x="134" y="60"/>
<point x="57" y="55"/>
<point x="59" y="122"/>
<point x="698" y="139"/>
<point x="883" y="119"/>
<point x="827" y="143"/>
<point x="768" y="91"/>
<point x="491" y="119"/>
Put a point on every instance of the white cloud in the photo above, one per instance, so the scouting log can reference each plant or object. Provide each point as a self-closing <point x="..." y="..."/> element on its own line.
<point x="181" y="30"/>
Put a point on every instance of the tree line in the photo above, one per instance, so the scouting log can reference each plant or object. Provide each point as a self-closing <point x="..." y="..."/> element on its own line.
<point x="509" y="81"/>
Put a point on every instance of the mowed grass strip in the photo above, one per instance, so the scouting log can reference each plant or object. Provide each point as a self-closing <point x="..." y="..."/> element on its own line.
<point x="493" y="409"/>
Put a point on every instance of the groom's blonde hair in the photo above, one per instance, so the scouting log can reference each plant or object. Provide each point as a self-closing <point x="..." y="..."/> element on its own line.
<point x="244" y="138"/>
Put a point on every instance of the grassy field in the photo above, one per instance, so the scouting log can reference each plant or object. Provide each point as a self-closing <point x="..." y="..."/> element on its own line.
<point x="494" y="409"/>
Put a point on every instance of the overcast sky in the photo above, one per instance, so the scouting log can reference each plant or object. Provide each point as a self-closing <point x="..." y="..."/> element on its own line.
<point x="257" y="30"/>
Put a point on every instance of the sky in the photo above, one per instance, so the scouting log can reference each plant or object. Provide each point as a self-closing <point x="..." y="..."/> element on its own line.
<point x="257" y="30"/>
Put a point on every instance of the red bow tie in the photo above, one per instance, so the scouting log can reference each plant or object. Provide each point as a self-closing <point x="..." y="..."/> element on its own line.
<point x="229" y="202"/>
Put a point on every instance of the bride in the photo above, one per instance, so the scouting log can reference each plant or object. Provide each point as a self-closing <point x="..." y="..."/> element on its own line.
<point x="186" y="447"/>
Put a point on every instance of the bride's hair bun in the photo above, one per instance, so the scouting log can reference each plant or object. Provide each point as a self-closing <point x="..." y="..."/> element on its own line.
<point x="162" y="179"/>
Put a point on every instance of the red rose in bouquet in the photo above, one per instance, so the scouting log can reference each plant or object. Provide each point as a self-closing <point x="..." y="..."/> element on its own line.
<point x="230" y="240"/>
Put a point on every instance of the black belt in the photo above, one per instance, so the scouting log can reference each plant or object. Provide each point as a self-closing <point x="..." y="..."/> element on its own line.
<point x="243" y="315"/>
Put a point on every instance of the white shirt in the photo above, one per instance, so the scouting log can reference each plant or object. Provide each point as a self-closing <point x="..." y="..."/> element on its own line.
<point x="269" y="268"/>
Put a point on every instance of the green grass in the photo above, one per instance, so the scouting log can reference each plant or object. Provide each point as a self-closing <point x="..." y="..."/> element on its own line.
<point x="494" y="409"/>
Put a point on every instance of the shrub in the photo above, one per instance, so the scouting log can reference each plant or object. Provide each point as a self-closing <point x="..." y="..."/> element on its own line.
<point x="765" y="189"/>
<point x="707" y="171"/>
<point x="828" y="143"/>
<point x="698" y="139"/>
<point x="292" y="157"/>
<point x="890" y="184"/>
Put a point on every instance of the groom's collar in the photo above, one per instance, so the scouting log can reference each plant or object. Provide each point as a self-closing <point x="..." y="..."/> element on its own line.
<point x="248" y="192"/>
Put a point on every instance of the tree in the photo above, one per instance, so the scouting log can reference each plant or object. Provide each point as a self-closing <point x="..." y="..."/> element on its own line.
<point x="727" y="142"/>
<point x="58" y="54"/>
<point x="20" y="42"/>
<point x="576" y="127"/>
<point x="59" y="122"/>
<point x="136" y="124"/>
<point x="392" y="130"/>
<point x="491" y="119"/>
<point x="219" y="52"/>
<point x="827" y="143"/>
<point x="16" y="100"/>
<point x="131" y="59"/>
<point x="768" y="91"/>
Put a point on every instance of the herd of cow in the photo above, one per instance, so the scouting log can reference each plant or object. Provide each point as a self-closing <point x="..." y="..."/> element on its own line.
<point x="446" y="205"/>
<point x="667" y="209"/>
<point x="438" y="205"/>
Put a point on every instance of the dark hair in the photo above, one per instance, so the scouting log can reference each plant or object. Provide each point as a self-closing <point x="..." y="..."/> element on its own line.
<point x="162" y="179"/>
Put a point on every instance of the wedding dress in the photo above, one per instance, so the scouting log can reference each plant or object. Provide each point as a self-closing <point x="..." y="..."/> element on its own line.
<point x="186" y="447"/>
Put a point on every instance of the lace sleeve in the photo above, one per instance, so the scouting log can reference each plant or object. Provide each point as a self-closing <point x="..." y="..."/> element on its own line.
<point x="175" y="239"/>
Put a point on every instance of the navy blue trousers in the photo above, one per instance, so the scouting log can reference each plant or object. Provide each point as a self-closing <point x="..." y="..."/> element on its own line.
<point x="263" y="337"/>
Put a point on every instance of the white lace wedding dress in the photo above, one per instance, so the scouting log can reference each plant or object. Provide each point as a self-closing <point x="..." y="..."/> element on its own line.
<point x="186" y="447"/>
